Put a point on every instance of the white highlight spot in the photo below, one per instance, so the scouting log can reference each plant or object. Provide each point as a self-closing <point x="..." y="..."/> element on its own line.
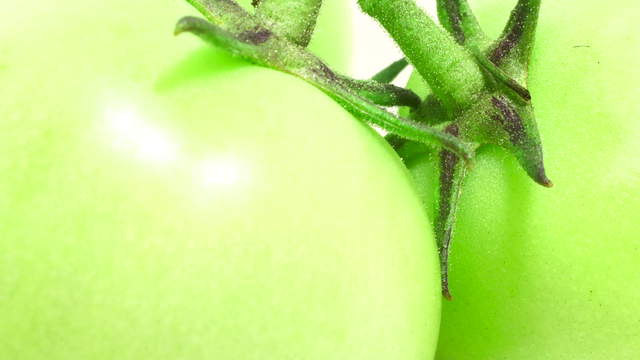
<point x="134" y="133"/>
<point x="225" y="171"/>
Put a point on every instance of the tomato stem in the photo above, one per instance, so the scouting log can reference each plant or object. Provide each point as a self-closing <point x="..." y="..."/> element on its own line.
<point x="217" y="36"/>
<point x="403" y="127"/>
<point x="452" y="174"/>
<point x="227" y="14"/>
<point x="381" y="93"/>
<point x="449" y="69"/>
<point x="516" y="42"/>
<point x="251" y="39"/>
<point x="478" y="87"/>
<point x="522" y="93"/>
<point x="500" y="113"/>
<point x="293" y="20"/>
<point x="392" y="71"/>
<point x="456" y="16"/>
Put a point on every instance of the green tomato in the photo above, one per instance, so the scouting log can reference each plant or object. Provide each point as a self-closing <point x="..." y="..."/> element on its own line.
<point x="161" y="200"/>
<point x="549" y="274"/>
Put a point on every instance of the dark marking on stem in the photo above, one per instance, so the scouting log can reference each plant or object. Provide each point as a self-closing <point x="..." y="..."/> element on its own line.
<point x="255" y="36"/>
<point x="510" y="120"/>
<point x="511" y="39"/>
<point x="325" y="72"/>
<point x="255" y="3"/>
<point x="502" y="77"/>
<point x="453" y="10"/>
<point x="530" y="156"/>
<point x="444" y="267"/>
<point x="448" y="162"/>
<point x="522" y="91"/>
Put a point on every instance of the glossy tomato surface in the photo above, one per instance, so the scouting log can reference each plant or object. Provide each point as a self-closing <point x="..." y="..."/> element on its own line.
<point x="160" y="200"/>
<point x="549" y="274"/>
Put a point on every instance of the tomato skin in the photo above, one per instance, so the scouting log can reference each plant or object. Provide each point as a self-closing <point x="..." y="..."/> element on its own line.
<point x="159" y="200"/>
<point x="547" y="274"/>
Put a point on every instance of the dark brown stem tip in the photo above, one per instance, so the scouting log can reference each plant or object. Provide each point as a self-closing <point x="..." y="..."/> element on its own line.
<point x="542" y="179"/>
<point x="187" y="23"/>
<point x="446" y="294"/>
<point x="444" y="283"/>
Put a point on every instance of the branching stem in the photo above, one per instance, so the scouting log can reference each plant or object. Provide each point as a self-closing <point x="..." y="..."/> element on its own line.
<point x="293" y="20"/>
<point x="392" y="71"/>
<point x="516" y="41"/>
<point x="256" y="43"/>
<point x="381" y="93"/>
<point x="478" y="97"/>
<point x="456" y="16"/>
<point x="451" y="71"/>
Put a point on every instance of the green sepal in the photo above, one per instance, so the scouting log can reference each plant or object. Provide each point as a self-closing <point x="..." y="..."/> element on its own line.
<point x="512" y="50"/>
<point x="521" y="93"/>
<point x="500" y="113"/>
<point x="392" y="71"/>
<point x="243" y="47"/>
<point x="383" y="93"/>
<point x="450" y="70"/>
<point x="293" y="20"/>
<point x="451" y="173"/>
<point x="456" y="16"/>
<point x="251" y="39"/>
<point x="227" y="14"/>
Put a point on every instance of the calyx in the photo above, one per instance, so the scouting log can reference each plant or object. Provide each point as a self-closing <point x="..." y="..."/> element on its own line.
<point x="478" y="85"/>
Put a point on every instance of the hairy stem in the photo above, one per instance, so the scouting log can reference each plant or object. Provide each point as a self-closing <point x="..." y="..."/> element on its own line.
<point x="293" y="20"/>
<point x="224" y="13"/>
<point x="452" y="174"/>
<point x="392" y="71"/>
<point x="274" y="52"/>
<point x="383" y="93"/>
<point x="448" y="68"/>
<point x="522" y="93"/>
<point x="217" y="36"/>
<point x="478" y="94"/>
<point x="405" y="128"/>
<point x="516" y="41"/>
<point x="456" y="16"/>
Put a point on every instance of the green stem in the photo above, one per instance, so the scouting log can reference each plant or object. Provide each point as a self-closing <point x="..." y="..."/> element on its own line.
<point x="224" y="13"/>
<point x="430" y="111"/>
<point x="477" y="98"/>
<point x="274" y="52"/>
<point x="293" y="20"/>
<point x="520" y="136"/>
<point x="219" y="37"/>
<point x="516" y="41"/>
<point x="452" y="174"/>
<point x="403" y="127"/>
<point x="451" y="71"/>
<point x="456" y="16"/>
<point x="392" y="71"/>
<point x="522" y="94"/>
<point x="382" y="93"/>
